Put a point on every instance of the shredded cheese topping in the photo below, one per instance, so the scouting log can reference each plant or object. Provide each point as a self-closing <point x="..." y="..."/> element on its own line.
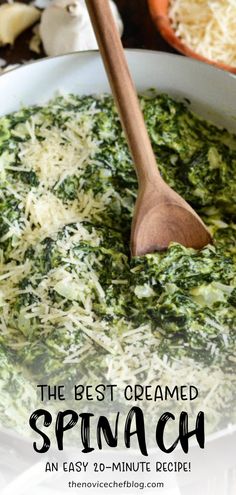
<point x="207" y="26"/>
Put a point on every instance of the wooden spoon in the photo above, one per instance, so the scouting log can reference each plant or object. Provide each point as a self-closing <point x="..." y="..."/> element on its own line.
<point x="161" y="216"/>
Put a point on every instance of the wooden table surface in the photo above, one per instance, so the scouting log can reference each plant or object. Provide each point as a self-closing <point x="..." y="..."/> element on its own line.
<point x="139" y="32"/>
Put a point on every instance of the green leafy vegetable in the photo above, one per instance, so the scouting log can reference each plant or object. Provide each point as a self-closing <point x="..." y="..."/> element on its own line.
<point x="73" y="305"/>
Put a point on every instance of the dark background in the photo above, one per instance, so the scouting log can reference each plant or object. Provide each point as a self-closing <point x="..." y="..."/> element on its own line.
<point x="139" y="32"/>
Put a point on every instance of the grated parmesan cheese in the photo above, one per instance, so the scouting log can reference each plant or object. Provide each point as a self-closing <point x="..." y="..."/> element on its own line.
<point x="59" y="153"/>
<point x="208" y="27"/>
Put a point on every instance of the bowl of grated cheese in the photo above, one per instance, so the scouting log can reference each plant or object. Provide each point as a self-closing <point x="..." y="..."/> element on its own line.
<point x="202" y="29"/>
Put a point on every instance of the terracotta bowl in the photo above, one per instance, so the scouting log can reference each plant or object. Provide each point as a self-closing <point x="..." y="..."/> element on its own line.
<point x="159" y="13"/>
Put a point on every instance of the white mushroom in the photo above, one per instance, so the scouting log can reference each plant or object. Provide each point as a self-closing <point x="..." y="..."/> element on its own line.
<point x="65" y="27"/>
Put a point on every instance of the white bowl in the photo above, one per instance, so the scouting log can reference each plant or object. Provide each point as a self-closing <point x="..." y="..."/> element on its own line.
<point x="211" y="91"/>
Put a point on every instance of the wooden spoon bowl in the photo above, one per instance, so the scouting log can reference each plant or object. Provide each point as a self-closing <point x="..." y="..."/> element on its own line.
<point x="161" y="216"/>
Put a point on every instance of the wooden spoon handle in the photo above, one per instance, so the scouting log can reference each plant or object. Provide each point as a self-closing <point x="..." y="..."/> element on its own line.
<point x="123" y="89"/>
